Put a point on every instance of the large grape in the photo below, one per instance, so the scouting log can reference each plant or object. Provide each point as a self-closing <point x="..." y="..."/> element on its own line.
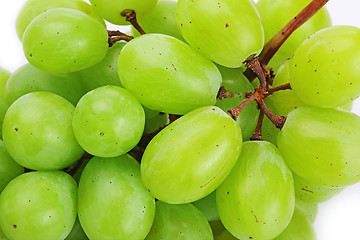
<point x="38" y="206"/>
<point x="113" y="203"/>
<point x="181" y="221"/>
<point x="324" y="70"/>
<point x="4" y="76"/>
<point x="322" y="145"/>
<point x="190" y="158"/>
<point x="108" y="121"/>
<point x="30" y="79"/>
<point x="226" y="31"/>
<point x="64" y="40"/>
<point x="277" y="13"/>
<point x="37" y="132"/>
<point x="167" y="75"/>
<point x="32" y="8"/>
<point x="111" y="9"/>
<point x="257" y="200"/>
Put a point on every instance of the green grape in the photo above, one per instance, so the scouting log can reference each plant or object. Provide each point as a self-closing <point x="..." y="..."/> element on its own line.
<point x="277" y="13"/>
<point x="32" y="8"/>
<point x="226" y="31"/>
<point x="321" y="145"/>
<point x="312" y="192"/>
<point x="257" y="200"/>
<point x="319" y="69"/>
<point x="347" y="107"/>
<point x="154" y="120"/>
<point x="30" y="79"/>
<point x="299" y="228"/>
<point x="207" y="206"/>
<point x="77" y="233"/>
<point x="190" y="158"/>
<point x="2" y="236"/>
<point x="108" y="121"/>
<point x="161" y="20"/>
<point x="9" y="169"/>
<point x="38" y="206"/>
<point x="113" y="202"/>
<point x="220" y="232"/>
<point x="285" y="100"/>
<point x="4" y="76"/>
<point x="167" y="75"/>
<point x="37" y="132"/>
<point x="309" y="209"/>
<point x="3" y="109"/>
<point x="268" y="130"/>
<point x="182" y="221"/>
<point x="235" y="81"/>
<point x="111" y="9"/>
<point x="64" y="40"/>
<point x="105" y="72"/>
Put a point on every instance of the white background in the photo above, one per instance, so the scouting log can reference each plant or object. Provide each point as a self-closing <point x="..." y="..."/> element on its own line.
<point x="338" y="218"/>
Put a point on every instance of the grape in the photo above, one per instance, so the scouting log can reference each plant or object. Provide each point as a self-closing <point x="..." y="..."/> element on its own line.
<point x="321" y="145"/>
<point x="220" y="232"/>
<point x="312" y="192"/>
<point x="190" y="158"/>
<point x="284" y="101"/>
<point x="64" y="40"/>
<point x="113" y="202"/>
<point x="207" y="206"/>
<point x="319" y="70"/>
<point x="9" y="169"/>
<point x="32" y="8"/>
<point x="309" y="209"/>
<point x="108" y="121"/>
<point x="4" y="76"/>
<point x="166" y="75"/>
<point x="227" y="31"/>
<point x="3" y="109"/>
<point x="161" y="20"/>
<point x="277" y="13"/>
<point x="347" y="107"/>
<point x="30" y="79"/>
<point x="38" y="206"/>
<point x="256" y="200"/>
<point x="155" y="120"/>
<point x="105" y="72"/>
<point x="77" y="233"/>
<point x="299" y="228"/>
<point x="235" y="81"/>
<point x="111" y="9"/>
<point x="179" y="222"/>
<point x="37" y="132"/>
<point x="2" y="236"/>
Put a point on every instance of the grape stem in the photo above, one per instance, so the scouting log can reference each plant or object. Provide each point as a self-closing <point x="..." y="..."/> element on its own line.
<point x="278" y="88"/>
<point x="115" y="36"/>
<point x="131" y="17"/>
<point x="224" y="93"/>
<point x="257" y="135"/>
<point x="272" y="46"/>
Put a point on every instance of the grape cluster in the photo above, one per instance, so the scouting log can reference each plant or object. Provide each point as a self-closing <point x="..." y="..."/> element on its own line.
<point x="185" y="128"/>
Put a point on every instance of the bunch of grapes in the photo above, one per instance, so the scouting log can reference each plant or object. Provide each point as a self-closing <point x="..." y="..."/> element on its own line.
<point x="211" y="119"/>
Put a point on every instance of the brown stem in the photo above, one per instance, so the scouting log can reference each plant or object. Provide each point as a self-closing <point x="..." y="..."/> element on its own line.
<point x="131" y="17"/>
<point x="234" y="112"/>
<point x="257" y="135"/>
<point x="277" y="41"/>
<point x="224" y="93"/>
<point x="122" y="36"/>
<point x="255" y="66"/>
<point x="279" y="88"/>
<point x="278" y="121"/>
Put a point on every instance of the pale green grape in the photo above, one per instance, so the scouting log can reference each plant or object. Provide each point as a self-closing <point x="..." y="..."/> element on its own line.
<point x="207" y="206"/>
<point x="235" y="81"/>
<point x="277" y="13"/>
<point x="108" y="121"/>
<point x="37" y="132"/>
<point x="190" y="158"/>
<point x="155" y="120"/>
<point x="161" y="20"/>
<point x="312" y="192"/>
<point x="324" y="70"/>
<point x="113" y="202"/>
<point x="321" y="145"/>
<point x="167" y="75"/>
<point x="9" y="169"/>
<point x="105" y="72"/>
<point x="32" y="8"/>
<point x="4" y="76"/>
<point x="77" y="233"/>
<point x="182" y="221"/>
<point x="30" y="79"/>
<point x="268" y="130"/>
<point x="64" y="40"/>
<point x="299" y="228"/>
<point x="226" y="31"/>
<point x="38" y="206"/>
<point x="111" y="9"/>
<point x="285" y="100"/>
<point x="257" y="200"/>
<point x="308" y="208"/>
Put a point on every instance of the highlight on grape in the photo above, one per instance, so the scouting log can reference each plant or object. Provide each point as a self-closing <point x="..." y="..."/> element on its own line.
<point x="210" y="119"/>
